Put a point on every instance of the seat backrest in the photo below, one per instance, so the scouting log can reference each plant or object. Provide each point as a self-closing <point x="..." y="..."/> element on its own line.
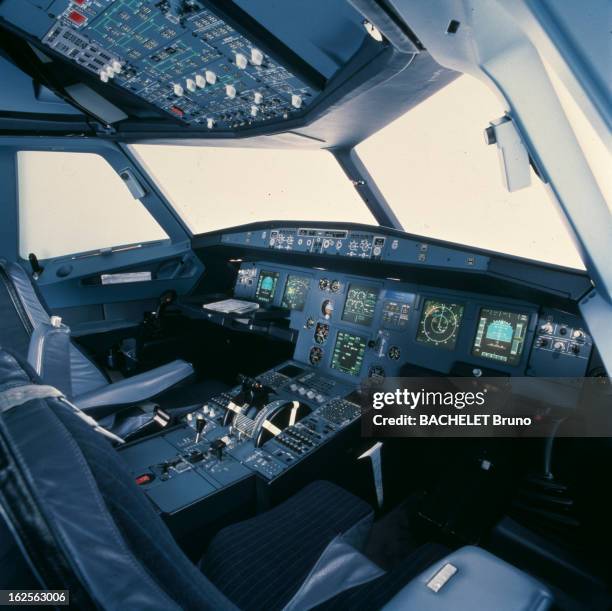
<point x="22" y="309"/>
<point x="82" y="522"/>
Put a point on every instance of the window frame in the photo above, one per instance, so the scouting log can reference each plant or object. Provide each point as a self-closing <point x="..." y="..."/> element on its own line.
<point x="115" y="156"/>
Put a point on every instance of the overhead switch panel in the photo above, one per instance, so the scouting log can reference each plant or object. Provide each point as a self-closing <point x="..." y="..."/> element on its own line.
<point x="187" y="58"/>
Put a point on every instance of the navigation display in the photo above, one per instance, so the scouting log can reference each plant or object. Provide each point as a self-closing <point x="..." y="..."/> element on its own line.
<point x="296" y="291"/>
<point x="500" y="335"/>
<point x="360" y="304"/>
<point x="348" y="353"/>
<point x="440" y="323"/>
<point x="266" y="286"/>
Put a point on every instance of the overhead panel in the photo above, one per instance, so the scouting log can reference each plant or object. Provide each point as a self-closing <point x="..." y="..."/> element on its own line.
<point x="204" y="63"/>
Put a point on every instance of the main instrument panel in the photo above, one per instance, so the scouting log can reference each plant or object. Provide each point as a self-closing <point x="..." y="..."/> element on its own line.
<point x="353" y="327"/>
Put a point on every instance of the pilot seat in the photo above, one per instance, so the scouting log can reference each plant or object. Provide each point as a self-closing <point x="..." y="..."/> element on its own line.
<point x="27" y="328"/>
<point x="80" y="523"/>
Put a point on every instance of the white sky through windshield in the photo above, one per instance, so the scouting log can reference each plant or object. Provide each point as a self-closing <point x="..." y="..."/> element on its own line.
<point x="431" y="164"/>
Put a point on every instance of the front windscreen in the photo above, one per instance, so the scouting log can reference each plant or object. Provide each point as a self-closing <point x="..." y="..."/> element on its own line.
<point x="213" y="187"/>
<point x="442" y="181"/>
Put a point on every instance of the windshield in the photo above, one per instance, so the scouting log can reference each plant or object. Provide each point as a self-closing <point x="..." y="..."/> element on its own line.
<point x="441" y="180"/>
<point x="216" y="187"/>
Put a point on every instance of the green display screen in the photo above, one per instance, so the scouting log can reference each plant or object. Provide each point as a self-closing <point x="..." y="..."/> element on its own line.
<point x="440" y="323"/>
<point x="348" y="353"/>
<point x="500" y="335"/>
<point x="296" y="292"/>
<point x="360" y="304"/>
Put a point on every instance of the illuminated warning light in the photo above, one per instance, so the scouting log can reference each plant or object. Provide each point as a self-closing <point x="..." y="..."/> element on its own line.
<point x="145" y="478"/>
<point x="177" y="111"/>
<point x="77" y="18"/>
<point x="79" y="2"/>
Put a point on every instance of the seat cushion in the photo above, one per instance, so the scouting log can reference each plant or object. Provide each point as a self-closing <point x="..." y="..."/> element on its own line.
<point x="374" y="594"/>
<point x="260" y="563"/>
<point x="472" y="578"/>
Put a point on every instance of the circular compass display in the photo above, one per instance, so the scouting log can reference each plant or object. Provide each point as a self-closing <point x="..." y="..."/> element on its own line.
<point x="440" y="323"/>
<point x="296" y="291"/>
<point x="321" y="333"/>
<point x="316" y="354"/>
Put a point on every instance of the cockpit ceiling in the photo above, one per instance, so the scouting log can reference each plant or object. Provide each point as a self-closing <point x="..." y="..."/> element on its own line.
<point x="207" y="68"/>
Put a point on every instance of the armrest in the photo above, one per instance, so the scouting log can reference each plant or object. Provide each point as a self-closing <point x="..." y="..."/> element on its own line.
<point x="49" y="354"/>
<point x="102" y="401"/>
<point x="475" y="580"/>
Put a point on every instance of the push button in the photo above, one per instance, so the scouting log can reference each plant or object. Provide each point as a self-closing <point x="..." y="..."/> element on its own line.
<point x="145" y="478"/>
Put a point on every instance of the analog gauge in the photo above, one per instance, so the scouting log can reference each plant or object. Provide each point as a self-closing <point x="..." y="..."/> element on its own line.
<point x="327" y="308"/>
<point x="376" y="374"/>
<point x="324" y="284"/>
<point x="394" y="353"/>
<point x="335" y="286"/>
<point x="440" y="322"/>
<point x="310" y="322"/>
<point x="321" y="333"/>
<point x="316" y="354"/>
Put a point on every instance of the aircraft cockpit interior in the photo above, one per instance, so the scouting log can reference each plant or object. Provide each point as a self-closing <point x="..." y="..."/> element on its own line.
<point x="218" y="275"/>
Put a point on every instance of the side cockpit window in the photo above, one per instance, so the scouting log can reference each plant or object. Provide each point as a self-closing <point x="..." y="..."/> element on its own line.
<point x="76" y="202"/>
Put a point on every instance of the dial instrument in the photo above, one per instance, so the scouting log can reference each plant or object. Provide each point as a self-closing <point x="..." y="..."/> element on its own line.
<point x="315" y="356"/>
<point x="310" y="322"/>
<point x="321" y="333"/>
<point x="394" y="353"/>
<point x="324" y="284"/>
<point x="440" y="323"/>
<point x="327" y="308"/>
<point x="335" y="286"/>
<point x="296" y="291"/>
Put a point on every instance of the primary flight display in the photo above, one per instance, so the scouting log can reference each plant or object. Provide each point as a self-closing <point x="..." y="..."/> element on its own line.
<point x="266" y="286"/>
<point x="500" y="335"/>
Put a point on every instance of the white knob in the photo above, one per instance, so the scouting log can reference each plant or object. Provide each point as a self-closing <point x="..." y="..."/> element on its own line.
<point x="116" y="66"/>
<point x="210" y="123"/>
<point x="178" y="90"/>
<point x="257" y="57"/>
<point x="200" y="81"/>
<point x="211" y="77"/>
<point x="258" y="97"/>
<point x="296" y="101"/>
<point x="55" y="321"/>
<point x="230" y="91"/>
<point x="254" y="111"/>
<point x="241" y="61"/>
<point x="190" y="83"/>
